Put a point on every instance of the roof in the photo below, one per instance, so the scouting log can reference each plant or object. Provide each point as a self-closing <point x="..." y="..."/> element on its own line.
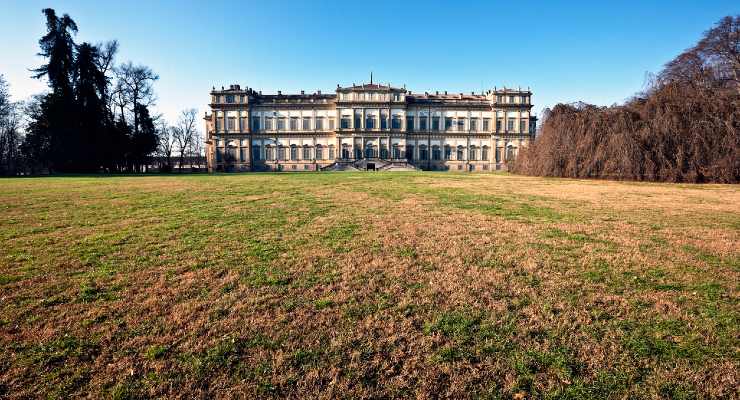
<point x="370" y="86"/>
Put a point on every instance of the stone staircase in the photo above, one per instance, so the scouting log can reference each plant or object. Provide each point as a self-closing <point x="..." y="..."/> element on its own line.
<point x="372" y="164"/>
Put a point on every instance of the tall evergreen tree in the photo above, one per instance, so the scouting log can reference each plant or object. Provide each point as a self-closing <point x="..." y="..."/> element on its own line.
<point x="90" y="87"/>
<point x="56" y="126"/>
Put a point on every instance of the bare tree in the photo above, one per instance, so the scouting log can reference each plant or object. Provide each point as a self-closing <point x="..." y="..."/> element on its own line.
<point x="10" y="127"/>
<point x="185" y="133"/>
<point x="166" y="141"/>
<point x="134" y="89"/>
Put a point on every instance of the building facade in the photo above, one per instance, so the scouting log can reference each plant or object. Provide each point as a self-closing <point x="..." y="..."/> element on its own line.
<point x="367" y="127"/>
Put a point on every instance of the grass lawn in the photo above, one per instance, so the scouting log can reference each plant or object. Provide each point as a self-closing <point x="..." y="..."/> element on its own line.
<point x="368" y="285"/>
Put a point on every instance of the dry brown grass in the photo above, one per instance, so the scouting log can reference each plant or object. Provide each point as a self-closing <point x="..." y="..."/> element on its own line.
<point x="368" y="285"/>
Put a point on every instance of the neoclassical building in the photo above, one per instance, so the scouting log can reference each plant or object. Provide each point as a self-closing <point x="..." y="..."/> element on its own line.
<point x="368" y="127"/>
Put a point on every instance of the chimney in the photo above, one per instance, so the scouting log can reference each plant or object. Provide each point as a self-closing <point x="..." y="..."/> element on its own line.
<point x="260" y="93"/>
<point x="319" y="92"/>
<point x="280" y="92"/>
<point x="437" y="92"/>
<point x="303" y="92"/>
<point x="445" y="93"/>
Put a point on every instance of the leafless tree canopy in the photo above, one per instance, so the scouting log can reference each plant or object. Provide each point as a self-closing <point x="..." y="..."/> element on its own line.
<point x="683" y="128"/>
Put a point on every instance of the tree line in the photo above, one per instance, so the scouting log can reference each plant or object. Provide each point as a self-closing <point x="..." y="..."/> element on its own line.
<point x="95" y="117"/>
<point x="682" y="128"/>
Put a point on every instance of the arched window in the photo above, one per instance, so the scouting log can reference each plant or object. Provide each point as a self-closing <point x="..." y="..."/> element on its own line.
<point x="331" y="151"/>
<point x="396" y="151"/>
<point x="345" y="151"/>
<point x="306" y="152"/>
<point x="460" y="155"/>
<point x="410" y="152"/>
<point x="293" y="152"/>
<point x="473" y="153"/>
<point x="369" y="151"/>
<point x="484" y="153"/>
<point x="510" y="153"/>
<point x="448" y="152"/>
<point x="281" y="153"/>
<point x="436" y="153"/>
<point x="383" y="152"/>
<point x="270" y="150"/>
<point x="319" y="152"/>
<point x="423" y="152"/>
<point x="256" y="153"/>
<point x="358" y="153"/>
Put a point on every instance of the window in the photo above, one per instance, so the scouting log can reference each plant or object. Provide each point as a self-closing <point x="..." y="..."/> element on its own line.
<point x="510" y="153"/>
<point x="255" y="153"/>
<point x="410" y="152"/>
<point x="384" y="152"/>
<point x="460" y="124"/>
<point x="460" y="153"/>
<point x="268" y="124"/>
<point x="358" y="120"/>
<point x="294" y="124"/>
<point x="422" y="123"/>
<point x="306" y="124"/>
<point x="486" y="124"/>
<point x="243" y="154"/>
<point x="409" y="124"/>
<point x="231" y="123"/>
<point x="511" y="99"/>
<point x="345" y="151"/>
<point x="369" y="151"/>
<point x="345" y="122"/>
<point x="319" y="152"/>
<point x="423" y="152"/>
<point x="473" y="124"/>
<point x="396" y="151"/>
<point x="484" y="153"/>
<point x="270" y="153"/>
<point x="229" y="98"/>
<point x="281" y="124"/>
<point x="448" y="152"/>
<point x="219" y="155"/>
<point x="305" y="166"/>
<point x="510" y="125"/>
<point x="436" y="153"/>
<point x="242" y="124"/>
<point x="358" y="153"/>
<point x="435" y="123"/>
<point x="306" y="153"/>
<point x="219" y="124"/>
<point x="331" y="124"/>
<point x="281" y="153"/>
<point x="498" y="98"/>
<point x="293" y="152"/>
<point x="473" y="153"/>
<point x="485" y="167"/>
<point x="498" y="154"/>
<point x="319" y="123"/>
<point x="331" y="152"/>
<point x="255" y="123"/>
<point x="396" y="122"/>
<point x="369" y="122"/>
<point x="448" y="123"/>
<point x="383" y="120"/>
<point x="499" y="125"/>
<point x="522" y="126"/>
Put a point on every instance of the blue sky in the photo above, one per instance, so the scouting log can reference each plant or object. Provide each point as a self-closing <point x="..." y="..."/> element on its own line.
<point x="592" y="51"/>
